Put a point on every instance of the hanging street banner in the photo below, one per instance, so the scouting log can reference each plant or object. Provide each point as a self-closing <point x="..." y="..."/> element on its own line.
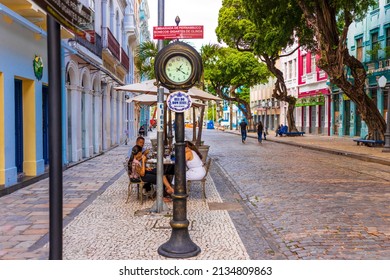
<point x="178" y="32"/>
<point x="71" y="14"/>
<point x="179" y="101"/>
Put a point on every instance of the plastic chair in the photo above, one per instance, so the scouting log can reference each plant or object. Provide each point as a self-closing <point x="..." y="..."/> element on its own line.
<point x="202" y="181"/>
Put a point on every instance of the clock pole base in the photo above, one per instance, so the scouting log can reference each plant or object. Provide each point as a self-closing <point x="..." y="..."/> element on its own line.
<point x="179" y="246"/>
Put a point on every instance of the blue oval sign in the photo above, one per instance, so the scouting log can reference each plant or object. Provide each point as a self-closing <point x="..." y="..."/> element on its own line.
<point x="179" y="101"/>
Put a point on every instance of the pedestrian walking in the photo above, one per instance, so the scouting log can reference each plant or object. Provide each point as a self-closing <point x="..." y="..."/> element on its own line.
<point x="244" y="128"/>
<point x="260" y="129"/>
<point x="265" y="133"/>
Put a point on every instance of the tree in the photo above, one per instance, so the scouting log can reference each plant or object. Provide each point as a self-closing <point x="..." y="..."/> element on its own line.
<point x="144" y="58"/>
<point x="230" y="73"/>
<point x="264" y="28"/>
<point x="330" y="22"/>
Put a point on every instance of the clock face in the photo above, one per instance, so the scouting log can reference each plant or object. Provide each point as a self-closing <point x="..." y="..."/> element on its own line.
<point x="178" y="69"/>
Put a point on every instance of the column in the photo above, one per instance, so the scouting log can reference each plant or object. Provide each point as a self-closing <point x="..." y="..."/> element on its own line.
<point x="115" y="119"/>
<point x="89" y="124"/>
<point x="32" y="126"/>
<point x="74" y="118"/>
<point x="106" y="118"/>
<point x="97" y="121"/>
<point x="341" y="115"/>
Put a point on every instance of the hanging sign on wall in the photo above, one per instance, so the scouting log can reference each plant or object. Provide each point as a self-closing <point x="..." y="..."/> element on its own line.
<point x="38" y="67"/>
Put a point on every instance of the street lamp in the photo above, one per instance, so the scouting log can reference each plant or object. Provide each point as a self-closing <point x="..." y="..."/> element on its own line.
<point x="382" y="84"/>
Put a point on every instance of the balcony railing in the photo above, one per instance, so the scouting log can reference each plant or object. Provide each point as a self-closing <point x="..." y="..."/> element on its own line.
<point x="109" y="42"/>
<point x="125" y="60"/>
<point x="95" y="48"/>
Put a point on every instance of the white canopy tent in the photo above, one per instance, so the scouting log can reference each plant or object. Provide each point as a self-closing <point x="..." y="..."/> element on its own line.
<point x="148" y="87"/>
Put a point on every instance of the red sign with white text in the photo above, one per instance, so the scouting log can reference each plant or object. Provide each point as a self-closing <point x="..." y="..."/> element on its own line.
<point x="178" y="32"/>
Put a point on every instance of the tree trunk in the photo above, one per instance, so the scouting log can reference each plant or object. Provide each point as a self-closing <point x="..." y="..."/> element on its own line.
<point x="241" y="102"/>
<point x="280" y="92"/>
<point x="290" y="117"/>
<point x="231" y="115"/>
<point x="335" y="60"/>
<point x="356" y="92"/>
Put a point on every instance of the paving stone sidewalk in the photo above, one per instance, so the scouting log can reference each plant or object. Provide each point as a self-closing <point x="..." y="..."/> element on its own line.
<point x="98" y="224"/>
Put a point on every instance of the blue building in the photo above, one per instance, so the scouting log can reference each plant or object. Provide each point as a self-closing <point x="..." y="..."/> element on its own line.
<point x="368" y="41"/>
<point x="95" y="116"/>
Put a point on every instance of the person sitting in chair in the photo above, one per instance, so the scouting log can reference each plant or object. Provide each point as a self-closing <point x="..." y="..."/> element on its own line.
<point x="282" y="130"/>
<point x="196" y="170"/>
<point x="140" y="141"/>
<point x="138" y="170"/>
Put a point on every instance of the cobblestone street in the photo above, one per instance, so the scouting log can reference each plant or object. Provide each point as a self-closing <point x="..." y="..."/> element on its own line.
<point x="306" y="204"/>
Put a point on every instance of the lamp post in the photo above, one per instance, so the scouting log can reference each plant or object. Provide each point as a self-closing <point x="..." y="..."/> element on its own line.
<point x="382" y="84"/>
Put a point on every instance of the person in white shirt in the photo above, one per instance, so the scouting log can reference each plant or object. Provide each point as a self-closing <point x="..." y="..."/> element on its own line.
<point x="195" y="168"/>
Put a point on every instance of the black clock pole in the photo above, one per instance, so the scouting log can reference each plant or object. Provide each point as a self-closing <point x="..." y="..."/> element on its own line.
<point x="180" y="244"/>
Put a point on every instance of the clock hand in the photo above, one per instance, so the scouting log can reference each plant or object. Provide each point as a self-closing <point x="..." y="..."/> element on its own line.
<point x="179" y="69"/>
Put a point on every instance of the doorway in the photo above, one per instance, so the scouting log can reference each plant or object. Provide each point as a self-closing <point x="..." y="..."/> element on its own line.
<point x="19" y="158"/>
<point x="313" y="118"/>
<point x="347" y="116"/>
<point x="45" y="124"/>
<point x="322" y="119"/>
<point x="304" y="119"/>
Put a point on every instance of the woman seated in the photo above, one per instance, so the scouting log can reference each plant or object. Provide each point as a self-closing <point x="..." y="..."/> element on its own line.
<point x="138" y="170"/>
<point x="196" y="170"/>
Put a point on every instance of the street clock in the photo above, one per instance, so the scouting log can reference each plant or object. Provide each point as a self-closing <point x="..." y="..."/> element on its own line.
<point x="178" y="66"/>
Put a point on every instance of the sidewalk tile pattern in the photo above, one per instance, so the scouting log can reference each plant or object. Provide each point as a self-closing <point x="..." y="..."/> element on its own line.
<point x="110" y="229"/>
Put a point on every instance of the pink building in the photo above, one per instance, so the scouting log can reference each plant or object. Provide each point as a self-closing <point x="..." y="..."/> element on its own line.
<point x="313" y="104"/>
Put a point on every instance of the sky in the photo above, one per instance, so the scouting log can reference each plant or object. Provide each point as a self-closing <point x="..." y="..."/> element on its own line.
<point x="191" y="12"/>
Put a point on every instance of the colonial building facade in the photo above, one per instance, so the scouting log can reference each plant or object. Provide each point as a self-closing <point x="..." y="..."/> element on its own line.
<point x="321" y="107"/>
<point x="95" y="117"/>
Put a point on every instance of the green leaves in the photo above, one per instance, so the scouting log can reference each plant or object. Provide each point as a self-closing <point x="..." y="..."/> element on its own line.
<point x="228" y="68"/>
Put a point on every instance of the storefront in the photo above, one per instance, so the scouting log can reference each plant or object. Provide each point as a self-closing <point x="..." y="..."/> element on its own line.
<point x="311" y="112"/>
